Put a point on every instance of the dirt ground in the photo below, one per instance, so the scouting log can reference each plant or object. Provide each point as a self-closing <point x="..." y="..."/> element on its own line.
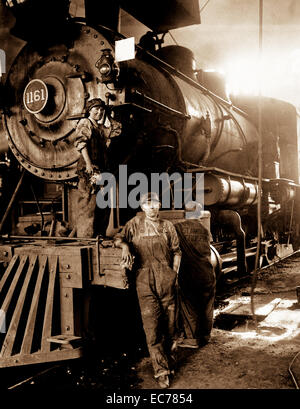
<point x="246" y="357"/>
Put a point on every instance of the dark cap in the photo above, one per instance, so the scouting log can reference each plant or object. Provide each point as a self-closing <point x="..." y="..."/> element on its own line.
<point x="149" y="197"/>
<point x="95" y="102"/>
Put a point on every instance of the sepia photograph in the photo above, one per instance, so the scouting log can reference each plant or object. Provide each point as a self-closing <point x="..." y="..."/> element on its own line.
<point x="149" y="199"/>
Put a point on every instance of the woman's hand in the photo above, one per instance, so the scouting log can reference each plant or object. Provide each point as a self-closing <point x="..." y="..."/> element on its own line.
<point x="176" y="263"/>
<point x="89" y="169"/>
<point x="126" y="255"/>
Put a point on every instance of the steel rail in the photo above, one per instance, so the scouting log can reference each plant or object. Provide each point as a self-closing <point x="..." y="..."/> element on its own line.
<point x="32" y="377"/>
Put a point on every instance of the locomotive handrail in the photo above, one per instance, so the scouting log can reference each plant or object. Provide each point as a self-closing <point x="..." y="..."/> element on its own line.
<point x="172" y="110"/>
<point x="188" y="79"/>
<point x="218" y="170"/>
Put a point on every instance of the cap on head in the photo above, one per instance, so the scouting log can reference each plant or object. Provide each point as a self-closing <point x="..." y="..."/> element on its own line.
<point x="95" y="102"/>
<point x="193" y="210"/>
<point x="192" y="205"/>
<point x="149" y="197"/>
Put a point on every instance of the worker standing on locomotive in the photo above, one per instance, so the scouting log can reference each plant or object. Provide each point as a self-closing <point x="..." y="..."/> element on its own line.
<point x="154" y="244"/>
<point x="196" y="280"/>
<point x="92" y="141"/>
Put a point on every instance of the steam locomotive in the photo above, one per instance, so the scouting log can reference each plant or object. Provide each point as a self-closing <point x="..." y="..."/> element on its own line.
<point x="172" y="120"/>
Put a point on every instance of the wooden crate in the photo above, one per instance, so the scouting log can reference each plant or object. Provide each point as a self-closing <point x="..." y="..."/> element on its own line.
<point x="111" y="273"/>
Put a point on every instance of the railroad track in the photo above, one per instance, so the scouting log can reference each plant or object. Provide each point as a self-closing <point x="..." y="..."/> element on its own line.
<point x="229" y="273"/>
<point x="32" y="378"/>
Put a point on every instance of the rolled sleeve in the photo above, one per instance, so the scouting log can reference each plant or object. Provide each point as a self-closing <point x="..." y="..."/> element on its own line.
<point x="83" y="134"/>
<point x="126" y="234"/>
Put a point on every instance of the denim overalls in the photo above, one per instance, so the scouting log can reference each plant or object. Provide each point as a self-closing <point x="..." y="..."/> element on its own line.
<point x="155" y="284"/>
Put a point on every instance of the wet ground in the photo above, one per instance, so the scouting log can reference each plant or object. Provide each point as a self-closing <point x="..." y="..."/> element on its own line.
<point x="240" y="355"/>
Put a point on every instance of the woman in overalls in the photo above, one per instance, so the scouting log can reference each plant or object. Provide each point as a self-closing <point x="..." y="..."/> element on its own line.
<point x="155" y="245"/>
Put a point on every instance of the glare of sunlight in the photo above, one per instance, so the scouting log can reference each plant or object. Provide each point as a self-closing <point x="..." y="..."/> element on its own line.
<point x="242" y="76"/>
<point x="249" y="75"/>
<point x="282" y="319"/>
<point x="262" y="334"/>
<point x="294" y="60"/>
<point x="282" y="323"/>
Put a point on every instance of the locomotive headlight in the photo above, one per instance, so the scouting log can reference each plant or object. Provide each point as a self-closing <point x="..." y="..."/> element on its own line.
<point x="107" y="67"/>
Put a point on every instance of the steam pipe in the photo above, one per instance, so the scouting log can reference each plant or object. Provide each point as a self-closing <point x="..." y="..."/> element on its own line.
<point x="233" y="219"/>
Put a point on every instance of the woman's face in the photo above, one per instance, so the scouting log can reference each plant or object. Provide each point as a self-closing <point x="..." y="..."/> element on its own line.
<point x="151" y="209"/>
<point x="96" y="113"/>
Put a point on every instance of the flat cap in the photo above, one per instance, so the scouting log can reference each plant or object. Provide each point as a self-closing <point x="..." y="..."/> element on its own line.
<point x="193" y="205"/>
<point x="149" y="197"/>
<point x="95" y="102"/>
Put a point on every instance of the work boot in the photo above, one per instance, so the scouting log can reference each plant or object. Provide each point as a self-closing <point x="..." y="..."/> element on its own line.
<point x="163" y="381"/>
<point x="188" y="343"/>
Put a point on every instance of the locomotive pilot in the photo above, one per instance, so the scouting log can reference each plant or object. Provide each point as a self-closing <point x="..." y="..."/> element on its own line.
<point x="155" y="245"/>
<point x="92" y="141"/>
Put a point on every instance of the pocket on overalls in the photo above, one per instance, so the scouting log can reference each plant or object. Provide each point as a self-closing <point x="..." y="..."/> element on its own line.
<point x="168" y="277"/>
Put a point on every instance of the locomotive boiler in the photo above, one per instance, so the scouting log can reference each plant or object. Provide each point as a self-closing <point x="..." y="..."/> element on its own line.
<point x="170" y="122"/>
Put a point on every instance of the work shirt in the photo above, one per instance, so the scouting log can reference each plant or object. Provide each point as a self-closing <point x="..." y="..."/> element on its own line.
<point x="140" y="226"/>
<point x="95" y="137"/>
<point x="196" y="270"/>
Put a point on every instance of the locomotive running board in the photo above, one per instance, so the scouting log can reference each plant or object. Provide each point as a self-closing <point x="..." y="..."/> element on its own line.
<point x="35" y="309"/>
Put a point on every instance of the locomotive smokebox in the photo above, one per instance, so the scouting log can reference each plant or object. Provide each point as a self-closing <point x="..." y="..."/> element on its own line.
<point x="48" y="98"/>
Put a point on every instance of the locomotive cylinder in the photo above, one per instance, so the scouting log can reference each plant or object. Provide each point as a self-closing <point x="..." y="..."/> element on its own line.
<point x="230" y="192"/>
